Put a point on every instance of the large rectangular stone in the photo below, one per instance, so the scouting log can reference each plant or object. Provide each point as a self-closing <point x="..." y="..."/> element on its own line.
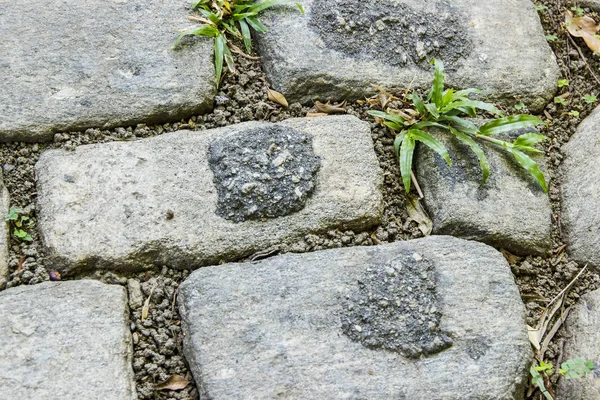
<point x="189" y="199"/>
<point x="434" y="318"/>
<point x="65" y="340"/>
<point x="339" y="48"/>
<point x="71" y="64"/>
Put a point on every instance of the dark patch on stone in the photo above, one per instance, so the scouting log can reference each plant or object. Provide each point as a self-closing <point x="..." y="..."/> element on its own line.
<point x="395" y="308"/>
<point x="392" y="32"/>
<point x="263" y="172"/>
<point x="476" y="348"/>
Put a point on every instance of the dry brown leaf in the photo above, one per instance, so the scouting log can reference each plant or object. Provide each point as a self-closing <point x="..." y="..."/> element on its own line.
<point x="313" y="115"/>
<point x="585" y="28"/>
<point x="329" y="108"/>
<point x="175" y="382"/>
<point x="277" y="97"/>
<point x="146" y="308"/>
<point x="417" y="213"/>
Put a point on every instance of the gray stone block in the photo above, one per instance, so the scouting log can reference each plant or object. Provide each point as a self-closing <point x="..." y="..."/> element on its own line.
<point x="510" y="211"/>
<point x="69" y="65"/>
<point x="126" y="204"/>
<point x="593" y="4"/>
<point x="4" y="232"/>
<point x="581" y="192"/>
<point x="582" y="334"/>
<point x="65" y="340"/>
<point x="339" y="48"/>
<point x="434" y="318"/>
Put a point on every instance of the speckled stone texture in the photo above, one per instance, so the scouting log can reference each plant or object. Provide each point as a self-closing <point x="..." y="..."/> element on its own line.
<point x="511" y="211"/>
<point x="274" y="329"/>
<point x="4" y="232"/>
<point x="70" y="65"/>
<point x="593" y="4"/>
<point x="581" y="192"/>
<point x="582" y="333"/>
<point x="65" y="340"/>
<point x="125" y="205"/>
<point x="263" y="173"/>
<point x="339" y="48"/>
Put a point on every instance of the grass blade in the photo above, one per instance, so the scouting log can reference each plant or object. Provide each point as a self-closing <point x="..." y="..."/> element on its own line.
<point x="472" y="103"/>
<point x="392" y="125"/>
<point x="466" y="92"/>
<point x="433" y="110"/>
<point x="529" y="139"/>
<point x="447" y="97"/>
<point x="389" y="117"/>
<point x="262" y="5"/>
<point x="256" y="25"/>
<point x="406" y="155"/>
<point x="430" y="142"/>
<point x="246" y="35"/>
<point x="483" y="161"/>
<point x="531" y="166"/>
<point x="507" y="124"/>
<point x="425" y="124"/>
<point x="202" y="30"/>
<point x="397" y="142"/>
<point x="437" y="89"/>
<point x="219" y="55"/>
<point x="418" y="103"/>
<point x="229" y="59"/>
<point x="460" y="123"/>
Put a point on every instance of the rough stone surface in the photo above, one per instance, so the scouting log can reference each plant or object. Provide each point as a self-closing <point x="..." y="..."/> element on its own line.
<point x="69" y="65"/>
<point x="581" y="192"/>
<point x="4" y="232"/>
<point x="339" y="48"/>
<point x="126" y="204"/>
<point x="582" y="330"/>
<point x="593" y="4"/>
<point x="275" y="329"/>
<point x="396" y="308"/>
<point x="263" y="172"/>
<point x="65" y="340"/>
<point x="510" y="211"/>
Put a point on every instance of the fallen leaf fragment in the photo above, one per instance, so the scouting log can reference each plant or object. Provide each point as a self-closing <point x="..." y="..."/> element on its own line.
<point x="313" y="115"/>
<point x="146" y="308"/>
<point x="277" y="97"/>
<point x="328" y="108"/>
<point x="175" y="382"/>
<point x="585" y="28"/>
<point x="417" y="213"/>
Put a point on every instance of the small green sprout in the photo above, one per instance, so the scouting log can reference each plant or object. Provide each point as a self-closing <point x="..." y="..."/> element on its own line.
<point x="578" y="11"/>
<point x="519" y="106"/>
<point x="19" y="221"/>
<point x="560" y="100"/>
<point x="551" y="38"/>
<point x="571" y="369"/>
<point x="444" y="109"/>
<point x="563" y="83"/>
<point x="540" y="8"/>
<point x="573" y="113"/>
<point x="589" y="98"/>
<point x="222" y="20"/>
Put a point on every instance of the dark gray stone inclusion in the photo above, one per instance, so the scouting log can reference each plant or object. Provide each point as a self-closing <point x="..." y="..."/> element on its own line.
<point x="263" y="172"/>
<point x="394" y="307"/>
<point x="392" y="32"/>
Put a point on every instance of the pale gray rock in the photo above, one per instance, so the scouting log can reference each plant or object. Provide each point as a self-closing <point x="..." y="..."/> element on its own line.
<point x="511" y="211"/>
<point x="593" y="4"/>
<point x="582" y="333"/>
<point x="136" y="298"/>
<point x="65" y="340"/>
<point x="127" y="204"/>
<point x="339" y="48"/>
<point x="359" y="323"/>
<point x="581" y="192"/>
<point x="4" y="232"/>
<point x="69" y="65"/>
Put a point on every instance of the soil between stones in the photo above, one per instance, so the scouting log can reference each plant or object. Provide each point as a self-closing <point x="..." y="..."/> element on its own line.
<point x="157" y="341"/>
